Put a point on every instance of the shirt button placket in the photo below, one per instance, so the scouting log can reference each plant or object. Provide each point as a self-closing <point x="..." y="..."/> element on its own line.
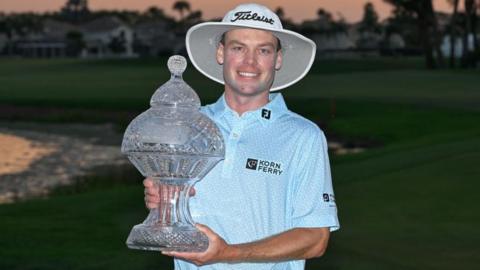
<point x="231" y="148"/>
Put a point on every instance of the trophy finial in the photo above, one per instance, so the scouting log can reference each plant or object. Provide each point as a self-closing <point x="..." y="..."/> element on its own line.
<point x="177" y="64"/>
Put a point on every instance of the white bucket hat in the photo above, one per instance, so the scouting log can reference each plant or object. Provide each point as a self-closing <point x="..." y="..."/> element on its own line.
<point x="298" y="51"/>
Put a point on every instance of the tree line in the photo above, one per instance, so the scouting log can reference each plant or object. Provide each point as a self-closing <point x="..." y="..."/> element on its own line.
<point x="415" y="20"/>
<point x="421" y="15"/>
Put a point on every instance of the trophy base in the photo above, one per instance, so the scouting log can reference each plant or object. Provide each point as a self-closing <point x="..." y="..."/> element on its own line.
<point x="162" y="238"/>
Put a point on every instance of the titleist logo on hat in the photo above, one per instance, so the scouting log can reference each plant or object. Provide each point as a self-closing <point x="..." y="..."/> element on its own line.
<point x="248" y="16"/>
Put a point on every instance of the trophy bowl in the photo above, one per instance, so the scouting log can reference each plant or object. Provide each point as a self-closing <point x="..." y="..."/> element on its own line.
<point x="175" y="145"/>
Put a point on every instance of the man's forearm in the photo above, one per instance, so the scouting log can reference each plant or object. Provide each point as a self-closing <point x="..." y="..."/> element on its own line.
<point x="298" y="243"/>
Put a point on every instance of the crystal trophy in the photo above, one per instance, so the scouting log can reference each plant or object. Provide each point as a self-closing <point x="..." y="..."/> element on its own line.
<point x="175" y="145"/>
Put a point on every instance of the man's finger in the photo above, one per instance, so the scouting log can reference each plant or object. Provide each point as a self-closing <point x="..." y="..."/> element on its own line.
<point x="205" y="229"/>
<point x="152" y="205"/>
<point x="147" y="182"/>
<point x="151" y="192"/>
<point x="152" y="199"/>
<point x="183" y="255"/>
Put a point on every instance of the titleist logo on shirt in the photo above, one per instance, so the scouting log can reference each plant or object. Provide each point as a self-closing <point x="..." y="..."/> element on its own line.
<point x="248" y="16"/>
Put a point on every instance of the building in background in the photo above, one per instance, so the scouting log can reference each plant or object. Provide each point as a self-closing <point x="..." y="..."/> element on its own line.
<point x="107" y="37"/>
<point x="155" y="38"/>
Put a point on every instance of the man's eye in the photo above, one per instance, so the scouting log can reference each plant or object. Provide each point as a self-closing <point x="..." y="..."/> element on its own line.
<point x="265" y="51"/>
<point x="237" y="48"/>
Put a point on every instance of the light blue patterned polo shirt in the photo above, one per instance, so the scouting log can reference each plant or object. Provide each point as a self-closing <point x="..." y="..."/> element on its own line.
<point x="275" y="177"/>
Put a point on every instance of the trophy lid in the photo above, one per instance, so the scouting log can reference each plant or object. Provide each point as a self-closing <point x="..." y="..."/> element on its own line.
<point x="176" y="92"/>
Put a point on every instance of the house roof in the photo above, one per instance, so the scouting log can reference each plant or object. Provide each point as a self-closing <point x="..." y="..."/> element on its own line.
<point x="153" y="26"/>
<point x="104" y="24"/>
<point x="57" y="29"/>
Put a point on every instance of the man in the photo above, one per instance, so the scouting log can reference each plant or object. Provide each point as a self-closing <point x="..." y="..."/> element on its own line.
<point x="270" y="203"/>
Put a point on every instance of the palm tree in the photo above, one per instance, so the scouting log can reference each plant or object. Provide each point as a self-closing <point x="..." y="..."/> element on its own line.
<point x="181" y="7"/>
<point x="280" y="13"/>
<point x="427" y="27"/>
<point x="75" y="9"/>
<point x="155" y="12"/>
<point x="194" y="17"/>
<point x="324" y="15"/>
<point x="469" y="59"/>
<point x="369" y="21"/>
<point x="453" y="28"/>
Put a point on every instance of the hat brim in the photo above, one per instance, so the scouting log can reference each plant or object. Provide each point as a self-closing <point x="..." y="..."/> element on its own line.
<point x="298" y="52"/>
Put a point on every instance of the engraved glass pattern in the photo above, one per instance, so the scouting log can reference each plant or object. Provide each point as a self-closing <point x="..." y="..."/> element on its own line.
<point x="174" y="144"/>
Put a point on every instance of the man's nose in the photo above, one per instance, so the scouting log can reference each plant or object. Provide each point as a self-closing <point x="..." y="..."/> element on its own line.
<point x="251" y="57"/>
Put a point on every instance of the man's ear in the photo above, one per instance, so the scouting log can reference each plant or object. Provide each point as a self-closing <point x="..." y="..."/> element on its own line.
<point x="278" y="62"/>
<point x="220" y="56"/>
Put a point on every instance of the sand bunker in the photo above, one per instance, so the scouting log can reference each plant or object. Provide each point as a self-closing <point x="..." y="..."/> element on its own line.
<point x="34" y="160"/>
<point x="17" y="153"/>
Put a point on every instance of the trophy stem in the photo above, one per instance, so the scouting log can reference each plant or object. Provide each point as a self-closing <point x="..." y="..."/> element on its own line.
<point x="173" y="206"/>
<point x="169" y="227"/>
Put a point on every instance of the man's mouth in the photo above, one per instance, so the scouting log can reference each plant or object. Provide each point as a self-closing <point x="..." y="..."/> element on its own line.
<point x="248" y="74"/>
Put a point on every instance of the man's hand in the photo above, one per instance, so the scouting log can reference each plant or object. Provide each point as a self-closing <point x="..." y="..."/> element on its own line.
<point x="152" y="193"/>
<point x="294" y="244"/>
<point x="217" y="251"/>
<point x="152" y="197"/>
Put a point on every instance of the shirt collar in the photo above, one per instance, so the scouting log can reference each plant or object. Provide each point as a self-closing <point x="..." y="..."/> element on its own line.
<point x="275" y="108"/>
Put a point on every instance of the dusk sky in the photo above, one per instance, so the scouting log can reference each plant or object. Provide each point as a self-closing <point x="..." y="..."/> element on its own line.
<point x="297" y="10"/>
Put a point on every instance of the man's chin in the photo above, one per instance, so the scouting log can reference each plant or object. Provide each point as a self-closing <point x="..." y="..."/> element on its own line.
<point x="250" y="92"/>
<point x="248" y="89"/>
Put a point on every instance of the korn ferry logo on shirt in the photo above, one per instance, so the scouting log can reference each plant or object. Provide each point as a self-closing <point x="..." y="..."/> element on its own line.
<point x="264" y="166"/>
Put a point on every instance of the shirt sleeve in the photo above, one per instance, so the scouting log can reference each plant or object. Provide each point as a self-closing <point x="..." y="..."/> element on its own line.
<point x="314" y="203"/>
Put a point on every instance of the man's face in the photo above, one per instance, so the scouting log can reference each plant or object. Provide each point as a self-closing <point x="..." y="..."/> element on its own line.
<point x="249" y="58"/>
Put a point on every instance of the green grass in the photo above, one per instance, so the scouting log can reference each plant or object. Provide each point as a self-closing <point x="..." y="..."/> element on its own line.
<point x="410" y="202"/>
<point x="83" y="231"/>
<point x="128" y="84"/>
<point x="412" y="208"/>
<point x="109" y="84"/>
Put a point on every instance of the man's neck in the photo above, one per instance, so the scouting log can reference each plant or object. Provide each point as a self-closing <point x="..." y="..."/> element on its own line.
<point x="241" y="104"/>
